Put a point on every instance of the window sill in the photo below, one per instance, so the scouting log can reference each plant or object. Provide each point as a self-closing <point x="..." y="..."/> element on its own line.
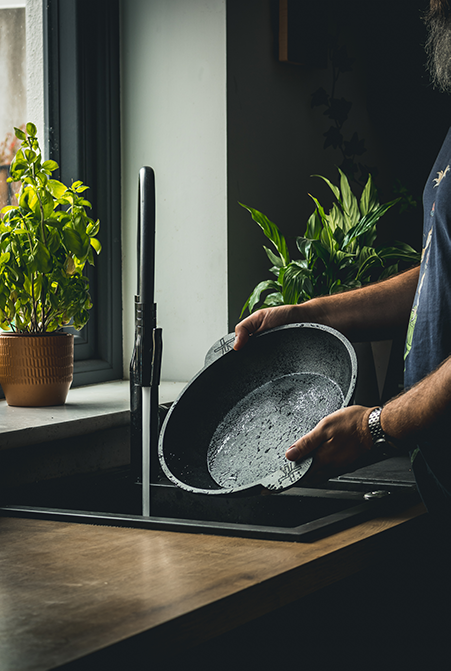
<point x="88" y="409"/>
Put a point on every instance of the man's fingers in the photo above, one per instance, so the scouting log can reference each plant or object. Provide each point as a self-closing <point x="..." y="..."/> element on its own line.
<point x="293" y="453"/>
<point x="302" y="447"/>
<point x="246" y="328"/>
<point x="261" y="320"/>
<point x="241" y="337"/>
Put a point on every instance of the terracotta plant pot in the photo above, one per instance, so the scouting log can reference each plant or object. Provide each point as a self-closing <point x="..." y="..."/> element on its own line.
<point x="36" y="369"/>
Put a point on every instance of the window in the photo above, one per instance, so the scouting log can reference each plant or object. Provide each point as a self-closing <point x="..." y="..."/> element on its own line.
<point x="82" y="133"/>
<point x="12" y="87"/>
<point x="83" y="122"/>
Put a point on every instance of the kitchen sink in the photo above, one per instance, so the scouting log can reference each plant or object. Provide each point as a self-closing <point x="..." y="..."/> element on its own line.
<point x="297" y="514"/>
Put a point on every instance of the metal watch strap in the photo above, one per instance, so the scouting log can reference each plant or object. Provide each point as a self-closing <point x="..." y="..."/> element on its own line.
<point x="381" y="442"/>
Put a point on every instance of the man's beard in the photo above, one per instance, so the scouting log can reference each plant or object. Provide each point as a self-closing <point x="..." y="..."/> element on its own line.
<point x="438" y="49"/>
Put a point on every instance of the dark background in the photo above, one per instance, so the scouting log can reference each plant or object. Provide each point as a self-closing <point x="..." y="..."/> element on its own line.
<point x="276" y="138"/>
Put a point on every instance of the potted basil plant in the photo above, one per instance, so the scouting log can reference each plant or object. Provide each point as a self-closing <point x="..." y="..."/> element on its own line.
<point x="337" y="250"/>
<point x="46" y="238"/>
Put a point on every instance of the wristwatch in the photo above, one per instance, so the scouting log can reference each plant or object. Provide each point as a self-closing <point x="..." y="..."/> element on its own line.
<point x="383" y="444"/>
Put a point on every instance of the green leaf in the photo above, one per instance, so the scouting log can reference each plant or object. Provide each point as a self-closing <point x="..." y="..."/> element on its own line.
<point x="262" y="286"/>
<point x="366" y="253"/>
<point x="368" y="259"/>
<point x="48" y="203"/>
<point x="27" y="286"/>
<point x="255" y="295"/>
<point x="30" y="155"/>
<point x="37" y="287"/>
<point x="349" y="202"/>
<point x="63" y="217"/>
<point x="328" y="239"/>
<point x="321" y="251"/>
<point x="55" y="223"/>
<point x="271" y="231"/>
<point x="31" y="129"/>
<point x="79" y="223"/>
<point x="93" y="228"/>
<point x="335" y="287"/>
<point x="19" y="134"/>
<point x="345" y="260"/>
<point x="335" y="190"/>
<point x="304" y="245"/>
<point x="314" y="226"/>
<point x="399" y="251"/>
<point x="73" y="242"/>
<point x="369" y="200"/>
<point x="41" y="259"/>
<point x="339" y="236"/>
<point x="335" y="218"/>
<point x="389" y="271"/>
<point x="28" y="200"/>
<point x="293" y="278"/>
<point x="12" y="270"/>
<point x="56" y="188"/>
<point x="50" y="166"/>
<point x="319" y="209"/>
<point x="367" y="222"/>
<point x="273" y="300"/>
<point x="53" y="241"/>
<point x="42" y="179"/>
<point x="98" y="247"/>
<point x="275" y="260"/>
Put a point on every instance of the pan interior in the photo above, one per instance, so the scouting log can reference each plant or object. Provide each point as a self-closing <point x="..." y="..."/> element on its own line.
<point x="250" y="442"/>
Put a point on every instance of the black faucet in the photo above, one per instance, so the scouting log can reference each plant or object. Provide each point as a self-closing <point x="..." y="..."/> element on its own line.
<point x="145" y="364"/>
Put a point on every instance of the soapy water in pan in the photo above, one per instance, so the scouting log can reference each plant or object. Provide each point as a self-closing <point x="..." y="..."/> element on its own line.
<point x="250" y="442"/>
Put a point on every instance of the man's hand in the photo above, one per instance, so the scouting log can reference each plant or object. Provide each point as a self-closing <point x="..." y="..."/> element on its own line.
<point x="265" y="319"/>
<point x="338" y="442"/>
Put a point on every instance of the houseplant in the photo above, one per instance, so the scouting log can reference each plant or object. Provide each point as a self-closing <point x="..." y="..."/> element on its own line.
<point x="337" y="250"/>
<point x="45" y="241"/>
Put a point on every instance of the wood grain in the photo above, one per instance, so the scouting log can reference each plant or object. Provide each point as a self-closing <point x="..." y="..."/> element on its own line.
<point x="67" y="590"/>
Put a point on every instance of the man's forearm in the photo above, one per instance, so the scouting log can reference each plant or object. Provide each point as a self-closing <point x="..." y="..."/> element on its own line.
<point x="424" y="405"/>
<point x="375" y="312"/>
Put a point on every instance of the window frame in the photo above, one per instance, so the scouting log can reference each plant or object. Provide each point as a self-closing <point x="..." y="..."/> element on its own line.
<point x="82" y="124"/>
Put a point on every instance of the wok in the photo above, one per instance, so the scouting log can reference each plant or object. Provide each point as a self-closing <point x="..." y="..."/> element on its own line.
<point x="228" y="430"/>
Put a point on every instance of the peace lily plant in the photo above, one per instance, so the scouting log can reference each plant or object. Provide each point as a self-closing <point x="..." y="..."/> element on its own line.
<point x="45" y="241"/>
<point x="337" y="250"/>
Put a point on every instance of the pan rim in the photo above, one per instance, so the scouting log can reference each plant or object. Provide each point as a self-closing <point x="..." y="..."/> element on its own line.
<point x="258" y="485"/>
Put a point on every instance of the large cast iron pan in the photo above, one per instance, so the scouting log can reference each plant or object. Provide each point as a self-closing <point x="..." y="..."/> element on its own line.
<point x="228" y="430"/>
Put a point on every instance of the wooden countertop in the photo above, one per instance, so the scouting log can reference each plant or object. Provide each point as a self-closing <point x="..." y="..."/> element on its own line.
<point x="68" y="590"/>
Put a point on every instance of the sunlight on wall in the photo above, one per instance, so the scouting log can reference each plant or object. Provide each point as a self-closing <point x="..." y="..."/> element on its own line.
<point x="174" y="119"/>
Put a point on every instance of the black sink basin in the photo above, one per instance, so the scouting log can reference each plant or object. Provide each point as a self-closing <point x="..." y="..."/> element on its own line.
<point x="298" y="514"/>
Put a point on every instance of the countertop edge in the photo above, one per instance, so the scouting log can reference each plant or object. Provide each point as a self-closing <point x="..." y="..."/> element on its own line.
<point x="88" y="409"/>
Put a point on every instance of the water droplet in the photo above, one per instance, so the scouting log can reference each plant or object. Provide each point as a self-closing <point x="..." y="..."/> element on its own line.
<point x="305" y="397"/>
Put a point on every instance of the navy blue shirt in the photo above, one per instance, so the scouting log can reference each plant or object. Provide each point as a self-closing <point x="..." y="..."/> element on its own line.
<point x="428" y="341"/>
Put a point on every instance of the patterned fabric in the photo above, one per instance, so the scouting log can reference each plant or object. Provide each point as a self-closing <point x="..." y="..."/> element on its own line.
<point x="428" y="341"/>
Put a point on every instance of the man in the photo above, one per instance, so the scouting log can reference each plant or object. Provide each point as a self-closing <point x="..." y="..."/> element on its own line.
<point x="416" y="303"/>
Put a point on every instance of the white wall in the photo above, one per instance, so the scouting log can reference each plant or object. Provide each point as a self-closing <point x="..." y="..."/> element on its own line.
<point x="23" y="78"/>
<point x="174" y="119"/>
<point x="35" y="65"/>
<point x="12" y="71"/>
